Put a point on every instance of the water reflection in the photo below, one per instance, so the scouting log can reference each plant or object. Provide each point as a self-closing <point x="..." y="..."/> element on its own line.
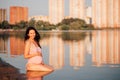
<point x="11" y="42"/>
<point x="74" y="35"/>
<point x="103" y="47"/>
<point x="106" y="46"/>
<point x="3" y="42"/>
<point x="56" y="51"/>
<point x="16" y="45"/>
<point x="36" y="75"/>
<point x="77" y="53"/>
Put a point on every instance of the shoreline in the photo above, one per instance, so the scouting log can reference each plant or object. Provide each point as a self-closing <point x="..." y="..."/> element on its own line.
<point x="12" y="30"/>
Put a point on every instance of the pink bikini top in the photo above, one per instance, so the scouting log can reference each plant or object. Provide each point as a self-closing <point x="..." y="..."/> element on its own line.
<point x="34" y="48"/>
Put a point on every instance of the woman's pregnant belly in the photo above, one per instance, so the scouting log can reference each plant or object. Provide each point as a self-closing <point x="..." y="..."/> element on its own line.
<point x="35" y="60"/>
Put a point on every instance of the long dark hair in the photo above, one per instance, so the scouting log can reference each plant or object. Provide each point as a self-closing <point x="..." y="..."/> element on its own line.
<point x="37" y="35"/>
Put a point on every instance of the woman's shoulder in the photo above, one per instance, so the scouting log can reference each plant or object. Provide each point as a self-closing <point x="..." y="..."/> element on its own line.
<point x="28" y="42"/>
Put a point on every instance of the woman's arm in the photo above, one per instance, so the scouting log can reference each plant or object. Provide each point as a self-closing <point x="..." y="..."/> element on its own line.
<point x="27" y="49"/>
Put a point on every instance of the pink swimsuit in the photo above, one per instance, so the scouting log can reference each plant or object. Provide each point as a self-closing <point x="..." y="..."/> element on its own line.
<point x="34" y="63"/>
<point x="36" y="59"/>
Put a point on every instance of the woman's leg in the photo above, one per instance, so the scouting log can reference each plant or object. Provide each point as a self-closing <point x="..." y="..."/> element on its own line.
<point x="45" y="67"/>
<point x="39" y="67"/>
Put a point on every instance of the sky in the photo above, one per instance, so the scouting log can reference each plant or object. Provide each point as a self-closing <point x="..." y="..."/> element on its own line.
<point x="36" y="7"/>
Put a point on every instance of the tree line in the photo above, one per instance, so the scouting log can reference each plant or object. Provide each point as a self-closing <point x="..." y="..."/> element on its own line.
<point x="65" y="24"/>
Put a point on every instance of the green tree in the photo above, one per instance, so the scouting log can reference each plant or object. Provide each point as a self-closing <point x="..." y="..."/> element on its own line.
<point x="66" y="21"/>
<point x="64" y="27"/>
<point x="42" y="25"/>
<point x="32" y="22"/>
<point x="39" y="25"/>
<point x="22" y="24"/>
<point x="5" y="25"/>
<point x="75" y="26"/>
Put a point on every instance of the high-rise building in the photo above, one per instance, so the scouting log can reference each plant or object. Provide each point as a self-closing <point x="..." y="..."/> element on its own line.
<point x="106" y="13"/>
<point x="3" y="14"/>
<point x="56" y="11"/>
<point x="88" y="15"/>
<point x="37" y="18"/>
<point x="18" y="14"/>
<point x="77" y="9"/>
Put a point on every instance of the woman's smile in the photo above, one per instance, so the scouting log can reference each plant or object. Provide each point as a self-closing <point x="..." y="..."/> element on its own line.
<point x="31" y="34"/>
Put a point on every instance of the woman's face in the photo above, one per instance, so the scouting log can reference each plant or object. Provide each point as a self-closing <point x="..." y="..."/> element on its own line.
<point x="31" y="34"/>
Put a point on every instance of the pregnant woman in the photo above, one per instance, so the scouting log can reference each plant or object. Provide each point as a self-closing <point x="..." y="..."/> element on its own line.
<point x="33" y="51"/>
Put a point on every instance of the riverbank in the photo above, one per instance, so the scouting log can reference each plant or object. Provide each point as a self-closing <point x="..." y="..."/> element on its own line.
<point x="16" y="30"/>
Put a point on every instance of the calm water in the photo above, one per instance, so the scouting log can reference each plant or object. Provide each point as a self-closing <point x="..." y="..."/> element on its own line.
<point x="76" y="55"/>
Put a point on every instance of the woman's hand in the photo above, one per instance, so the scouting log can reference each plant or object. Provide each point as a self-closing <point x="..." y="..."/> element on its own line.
<point x="39" y="54"/>
<point x="42" y="63"/>
<point x="27" y="51"/>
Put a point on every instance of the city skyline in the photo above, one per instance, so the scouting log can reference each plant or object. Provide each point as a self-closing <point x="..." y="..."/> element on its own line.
<point x="38" y="7"/>
<point x="55" y="10"/>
